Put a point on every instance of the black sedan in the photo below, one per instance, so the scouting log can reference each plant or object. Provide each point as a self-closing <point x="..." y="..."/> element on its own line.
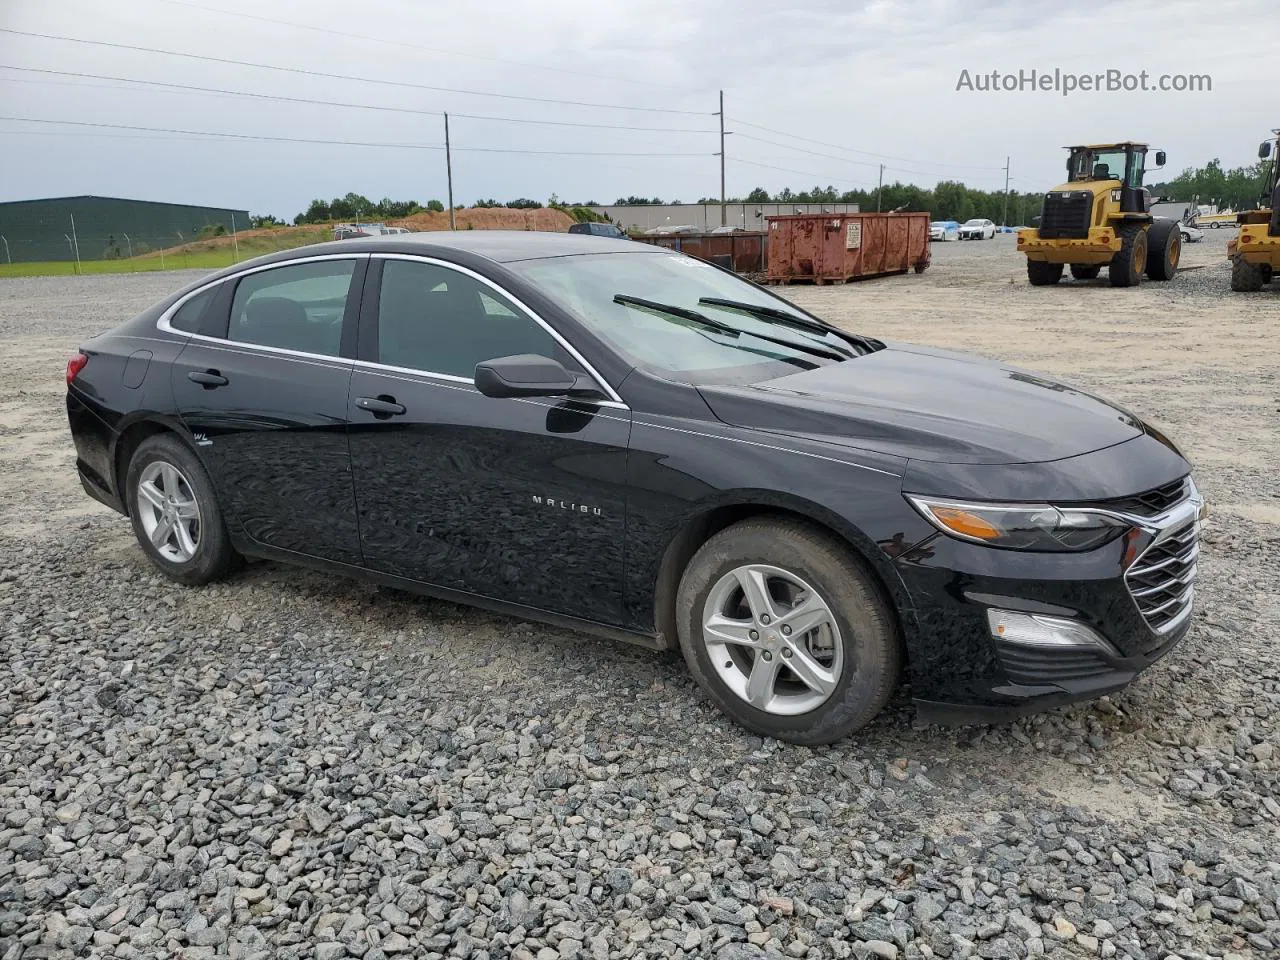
<point x="616" y="438"/>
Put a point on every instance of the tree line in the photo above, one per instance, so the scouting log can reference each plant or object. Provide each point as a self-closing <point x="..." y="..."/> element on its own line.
<point x="1239" y="188"/>
<point x="354" y="206"/>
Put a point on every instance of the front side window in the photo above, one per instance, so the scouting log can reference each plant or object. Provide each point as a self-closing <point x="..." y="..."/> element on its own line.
<point x="297" y="307"/>
<point x="438" y="320"/>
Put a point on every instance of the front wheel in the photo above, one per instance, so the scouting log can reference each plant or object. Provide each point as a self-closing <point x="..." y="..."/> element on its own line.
<point x="1129" y="262"/>
<point x="175" y="513"/>
<point x="786" y="632"/>
<point x="1085" y="271"/>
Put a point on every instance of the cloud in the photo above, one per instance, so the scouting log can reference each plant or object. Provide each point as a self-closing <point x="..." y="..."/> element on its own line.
<point x="876" y="76"/>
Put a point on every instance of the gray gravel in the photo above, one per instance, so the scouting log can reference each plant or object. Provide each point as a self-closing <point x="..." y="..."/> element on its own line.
<point x="294" y="765"/>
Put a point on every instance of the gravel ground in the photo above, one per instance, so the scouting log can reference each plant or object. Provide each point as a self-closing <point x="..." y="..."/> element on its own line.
<point x="294" y="765"/>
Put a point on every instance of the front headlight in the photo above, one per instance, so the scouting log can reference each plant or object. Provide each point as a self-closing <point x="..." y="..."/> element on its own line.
<point x="1038" y="527"/>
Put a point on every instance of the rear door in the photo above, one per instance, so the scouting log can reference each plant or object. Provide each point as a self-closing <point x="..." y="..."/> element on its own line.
<point x="263" y="389"/>
<point x="521" y="500"/>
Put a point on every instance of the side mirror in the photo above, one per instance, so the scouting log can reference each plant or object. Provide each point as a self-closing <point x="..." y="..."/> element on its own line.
<point x="1264" y="149"/>
<point x="524" y="375"/>
<point x="1160" y="158"/>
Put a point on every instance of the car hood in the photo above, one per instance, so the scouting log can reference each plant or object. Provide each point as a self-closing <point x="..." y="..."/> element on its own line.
<point x="930" y="405"/>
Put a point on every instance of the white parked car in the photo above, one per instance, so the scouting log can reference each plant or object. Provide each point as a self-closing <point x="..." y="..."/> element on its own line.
<point x="977" y="230"/>
<point x="944" y="230"/>
<point x="1190" y="233"/>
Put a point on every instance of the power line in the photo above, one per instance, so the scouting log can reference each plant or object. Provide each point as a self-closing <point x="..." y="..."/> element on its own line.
<point x="341" y="76"/>
<point x="339" y="103"/>
<point x="349" y="143"/>
<point x="865" y="153"/>
<point x="414" y="46"/>
<point x="829" y="156"/>
<point x="799" y="173"/>
<point x="815" y="153"/>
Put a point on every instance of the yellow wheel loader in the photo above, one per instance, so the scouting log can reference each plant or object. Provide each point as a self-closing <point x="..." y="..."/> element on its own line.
<point x="1255" y="252"/>
<point x="1101" y="218"/>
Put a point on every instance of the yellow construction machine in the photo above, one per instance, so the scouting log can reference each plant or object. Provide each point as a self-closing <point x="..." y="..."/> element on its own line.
<point x="1101" y="218"/>
<point x="1255" y="252"/>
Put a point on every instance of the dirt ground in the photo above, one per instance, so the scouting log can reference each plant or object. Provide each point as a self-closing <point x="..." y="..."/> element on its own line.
<point x="1183" y="756"/>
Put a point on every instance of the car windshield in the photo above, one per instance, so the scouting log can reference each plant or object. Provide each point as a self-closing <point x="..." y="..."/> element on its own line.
<point x="685" y="349"/>
<point x="974" y="223"/>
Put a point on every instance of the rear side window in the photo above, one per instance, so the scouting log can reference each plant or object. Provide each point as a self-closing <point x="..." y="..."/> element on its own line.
<point x="293" y="308"/>
<point x="190" y="314"/>
<point x="438" y="320"/>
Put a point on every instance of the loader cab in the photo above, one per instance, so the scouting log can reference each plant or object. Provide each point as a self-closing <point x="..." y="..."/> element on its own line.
<point x="1125" y="162"/>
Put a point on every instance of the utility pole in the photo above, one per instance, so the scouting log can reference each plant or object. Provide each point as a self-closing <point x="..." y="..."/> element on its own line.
<point x="1004" y="210"/>
<point x="235" y="242"/>
<point x="723" y="214"/>
<point x="7" y="258"/>
<point x="880" y="188"/>
<point x="448" y="169"/>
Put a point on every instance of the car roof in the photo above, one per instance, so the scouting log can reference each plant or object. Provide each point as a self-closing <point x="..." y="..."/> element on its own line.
<point x="501" y="246"/>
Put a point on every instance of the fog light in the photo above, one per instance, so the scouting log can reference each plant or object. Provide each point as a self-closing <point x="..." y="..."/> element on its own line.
<point x="1035" y="630"/>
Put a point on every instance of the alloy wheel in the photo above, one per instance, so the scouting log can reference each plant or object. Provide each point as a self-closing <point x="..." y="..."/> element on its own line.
<point x="169" y="511"/>
<point x="772" y="639"/>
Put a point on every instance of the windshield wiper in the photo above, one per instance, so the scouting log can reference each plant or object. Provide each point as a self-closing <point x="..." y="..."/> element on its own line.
<point x="693" y="316"/>
<point x="788" y="319"/>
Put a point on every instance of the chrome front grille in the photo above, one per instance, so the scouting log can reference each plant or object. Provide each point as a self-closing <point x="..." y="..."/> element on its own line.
<point x="1162" y="579"/>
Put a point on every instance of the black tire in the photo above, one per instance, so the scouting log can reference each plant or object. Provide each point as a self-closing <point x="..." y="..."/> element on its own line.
<point x="213" y="556"/>
<point x="1129" y="262"/>
<point x="1246" y="277"/>
<point x="868" y="637"/>
<point x="1085" y="271"/>
<point x="1164" y="250"/>
<point x="1215" y="225"/>
<point x="1042" y="274"/>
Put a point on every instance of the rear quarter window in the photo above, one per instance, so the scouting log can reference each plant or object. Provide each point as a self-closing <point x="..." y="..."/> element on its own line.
<point x="188" y="317"/>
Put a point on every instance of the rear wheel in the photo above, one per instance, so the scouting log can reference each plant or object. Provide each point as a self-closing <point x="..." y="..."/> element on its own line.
<point x="175" y="513"/>
<point x="786" y="632"/>
<point x="1246" y="277"/>
<point x="1164" y="249"/>
<point x="1041" y="274"/>
<point x="1085" y="271"/>
<point x="1131" y="259"/>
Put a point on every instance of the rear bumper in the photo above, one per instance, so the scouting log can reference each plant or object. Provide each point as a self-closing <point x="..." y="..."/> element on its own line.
<point x="1097" y="248"/>
<point x="1255" y="245"/>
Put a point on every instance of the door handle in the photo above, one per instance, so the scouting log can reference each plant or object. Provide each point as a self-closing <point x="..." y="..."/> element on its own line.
<point x="381" y="406"/>
<point x="209" y="379"/>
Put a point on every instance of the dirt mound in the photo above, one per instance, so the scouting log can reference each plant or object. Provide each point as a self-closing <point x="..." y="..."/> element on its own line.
<point x="253" y="243"/>
<point x="490" y="218"/>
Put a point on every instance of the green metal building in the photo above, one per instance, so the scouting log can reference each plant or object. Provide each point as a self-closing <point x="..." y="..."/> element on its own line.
<point x="101" y="228"/>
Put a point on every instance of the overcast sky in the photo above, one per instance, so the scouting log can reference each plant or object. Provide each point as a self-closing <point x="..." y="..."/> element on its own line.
<point x="875" y="76"/>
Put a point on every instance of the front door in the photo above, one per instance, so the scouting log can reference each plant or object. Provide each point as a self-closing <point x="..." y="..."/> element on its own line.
<point x="263" y="390"/>
<point x="517" y="500"/>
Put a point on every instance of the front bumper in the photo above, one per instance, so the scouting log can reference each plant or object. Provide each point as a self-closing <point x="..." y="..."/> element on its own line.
<point x="961" y="671"/>
<point x="1097" y="248"/>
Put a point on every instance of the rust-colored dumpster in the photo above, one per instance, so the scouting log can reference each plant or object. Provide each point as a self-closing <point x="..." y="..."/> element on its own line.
<point x="836" y="247"/>
<point x="741" y="251"/>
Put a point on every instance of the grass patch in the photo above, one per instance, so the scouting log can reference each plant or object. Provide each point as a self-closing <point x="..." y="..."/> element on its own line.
<point x="212" y="254"/>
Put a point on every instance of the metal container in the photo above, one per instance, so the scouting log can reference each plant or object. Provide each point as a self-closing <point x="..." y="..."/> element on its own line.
<point x="834" y="248"/>
<point x="741" y="252"/>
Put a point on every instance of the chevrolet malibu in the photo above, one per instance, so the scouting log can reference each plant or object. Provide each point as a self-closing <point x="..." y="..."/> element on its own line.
<point x="612" y="437"/>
